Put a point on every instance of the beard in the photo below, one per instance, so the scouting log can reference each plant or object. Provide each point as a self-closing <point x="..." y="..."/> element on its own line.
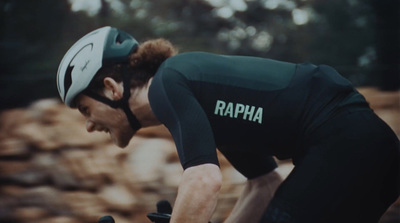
<point x="122" y="138"/>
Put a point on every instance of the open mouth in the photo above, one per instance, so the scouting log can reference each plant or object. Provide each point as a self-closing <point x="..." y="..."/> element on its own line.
<point x="106" y="130"/>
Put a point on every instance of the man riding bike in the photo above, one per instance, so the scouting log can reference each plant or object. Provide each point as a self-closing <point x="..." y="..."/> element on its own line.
<point x="346" y="158"/>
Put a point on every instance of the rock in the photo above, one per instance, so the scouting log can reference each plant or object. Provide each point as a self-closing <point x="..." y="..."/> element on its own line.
<point x="145" y="162"/>
<point x="13" y="148"/>
<point x="86" y="206"/>
<point x="171" y="175"/>
<point x="381" y="99"/>
<point x="59" y="219"/>
<point x="10" y="120"/>
<point x="53" y="171"/>
<point x="391" y="117"/>
<point x="118" y="197"/>
<point x="11" y="167"/>
<point x="28" y="177"/>
<point x="30" y="214"/>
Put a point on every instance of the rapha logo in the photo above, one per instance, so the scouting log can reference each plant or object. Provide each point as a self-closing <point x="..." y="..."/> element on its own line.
<point x="79" y="57"/>
<point x="237" y="110"/>
<point x="85" y="66"/>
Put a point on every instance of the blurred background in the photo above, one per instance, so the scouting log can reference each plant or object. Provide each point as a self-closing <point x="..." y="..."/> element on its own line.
<point x="51" y="170"/>
<point x="360" y="38"/>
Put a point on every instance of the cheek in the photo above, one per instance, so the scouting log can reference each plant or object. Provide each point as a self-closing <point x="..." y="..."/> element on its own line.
<point x="116" y="119"/>
<point x="121" y="132"/>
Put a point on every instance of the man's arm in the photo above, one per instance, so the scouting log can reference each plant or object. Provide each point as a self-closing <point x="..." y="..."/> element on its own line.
<point x="255" y="198"/>
<point x="197" y="194"/>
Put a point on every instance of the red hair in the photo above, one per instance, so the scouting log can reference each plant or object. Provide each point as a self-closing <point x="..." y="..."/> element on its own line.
<point x="144" y="63"/>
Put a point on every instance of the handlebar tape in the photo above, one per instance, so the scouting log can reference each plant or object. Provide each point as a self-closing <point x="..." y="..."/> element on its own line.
<point x="106" y="219"/>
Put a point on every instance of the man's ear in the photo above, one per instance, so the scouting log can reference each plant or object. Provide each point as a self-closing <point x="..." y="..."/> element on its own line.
<point x="113" y="90"/>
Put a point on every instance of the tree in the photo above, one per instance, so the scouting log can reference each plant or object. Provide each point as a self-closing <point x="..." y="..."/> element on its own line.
<point x="387" y="34"/>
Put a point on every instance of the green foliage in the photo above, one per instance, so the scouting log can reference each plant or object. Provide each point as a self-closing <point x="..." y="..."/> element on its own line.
<point x="34" y="35"/>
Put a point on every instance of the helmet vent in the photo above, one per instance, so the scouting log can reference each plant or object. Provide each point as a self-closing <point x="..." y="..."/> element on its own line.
<point x="118" y="40"/>
<point x="68" y="79"/>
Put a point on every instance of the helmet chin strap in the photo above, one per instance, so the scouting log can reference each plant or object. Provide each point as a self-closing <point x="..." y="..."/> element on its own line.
<point x="123" y="103"/>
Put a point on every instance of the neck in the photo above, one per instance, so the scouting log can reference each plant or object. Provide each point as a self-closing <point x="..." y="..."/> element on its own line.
<point x="140" y="106"/>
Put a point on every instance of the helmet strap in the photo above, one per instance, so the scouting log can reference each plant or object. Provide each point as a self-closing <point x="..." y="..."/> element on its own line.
<point x="123" y="103"/>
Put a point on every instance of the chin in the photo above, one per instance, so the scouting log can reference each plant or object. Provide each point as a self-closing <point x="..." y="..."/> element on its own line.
<point x="122" y="141"/>
<point x="122" y="145"/>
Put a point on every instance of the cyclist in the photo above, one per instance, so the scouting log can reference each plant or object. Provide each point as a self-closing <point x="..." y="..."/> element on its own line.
<point x="346" y="158"/>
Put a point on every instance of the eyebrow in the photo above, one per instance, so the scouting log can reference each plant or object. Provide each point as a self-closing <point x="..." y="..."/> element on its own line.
<point x="74" y="104"/>
<point x="82" y="108"/>
<point x="79" y="106"/>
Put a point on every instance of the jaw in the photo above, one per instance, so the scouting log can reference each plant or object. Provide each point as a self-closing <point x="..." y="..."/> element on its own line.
<point x="122" y="138"/>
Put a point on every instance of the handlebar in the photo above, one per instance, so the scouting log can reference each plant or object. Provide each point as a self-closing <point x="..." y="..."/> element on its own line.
<point x="106" y="219"/>
<point x="163" y="214"/>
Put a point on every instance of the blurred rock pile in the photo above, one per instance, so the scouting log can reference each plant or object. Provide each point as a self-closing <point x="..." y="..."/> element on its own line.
<point x="52" y="170"/>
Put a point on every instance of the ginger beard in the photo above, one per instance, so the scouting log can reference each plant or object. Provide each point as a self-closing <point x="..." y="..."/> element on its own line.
<point x="101" y="117"/>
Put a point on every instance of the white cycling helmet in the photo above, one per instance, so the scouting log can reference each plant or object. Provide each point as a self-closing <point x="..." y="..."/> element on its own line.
<point x="103" y="46"/>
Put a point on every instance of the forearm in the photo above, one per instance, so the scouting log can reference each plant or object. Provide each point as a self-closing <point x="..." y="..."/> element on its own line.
<point x="197" y="194"/>
<point x="255" y="198"/>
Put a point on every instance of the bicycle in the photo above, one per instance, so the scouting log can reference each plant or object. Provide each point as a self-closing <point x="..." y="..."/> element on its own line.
<point x="163" y="214"/>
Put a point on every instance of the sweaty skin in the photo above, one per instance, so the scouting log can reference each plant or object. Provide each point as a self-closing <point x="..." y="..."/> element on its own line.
<point x="255" y="198"/>
<point x="252" y="109"/>
<point x="101" y="117"/>
<point x="197" y="194"/>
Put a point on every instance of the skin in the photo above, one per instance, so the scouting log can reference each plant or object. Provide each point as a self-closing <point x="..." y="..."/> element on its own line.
<point x="101" y="117"/>
<point x="255" y="198"/>
<point x="197" y="194"/>
<point x="200" y="185"/>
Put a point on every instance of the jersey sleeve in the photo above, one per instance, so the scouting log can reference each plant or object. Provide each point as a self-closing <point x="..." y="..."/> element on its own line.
<point x="249" y="164"/>
<point x="175" y="106"/>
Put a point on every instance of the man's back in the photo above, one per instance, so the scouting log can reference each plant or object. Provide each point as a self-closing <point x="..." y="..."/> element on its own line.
<point x="259" y="106"/>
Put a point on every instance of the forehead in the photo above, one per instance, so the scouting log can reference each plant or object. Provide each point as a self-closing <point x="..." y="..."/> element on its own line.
<point x="82" y="100"/>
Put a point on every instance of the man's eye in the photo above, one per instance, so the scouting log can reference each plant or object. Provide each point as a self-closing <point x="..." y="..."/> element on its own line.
<point x="84" y="110"/>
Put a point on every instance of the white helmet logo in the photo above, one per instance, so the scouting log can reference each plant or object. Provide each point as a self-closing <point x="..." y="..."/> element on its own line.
<point x="85" y="66"/>
<point x="78" y="60"/>
<point x="86" y="57"/>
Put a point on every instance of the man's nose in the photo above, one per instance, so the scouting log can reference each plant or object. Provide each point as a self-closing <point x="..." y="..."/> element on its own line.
<point x="89" y="126"/>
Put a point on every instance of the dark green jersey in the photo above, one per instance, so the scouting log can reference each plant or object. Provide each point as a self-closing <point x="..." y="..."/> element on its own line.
<point x="249" y="108"/>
